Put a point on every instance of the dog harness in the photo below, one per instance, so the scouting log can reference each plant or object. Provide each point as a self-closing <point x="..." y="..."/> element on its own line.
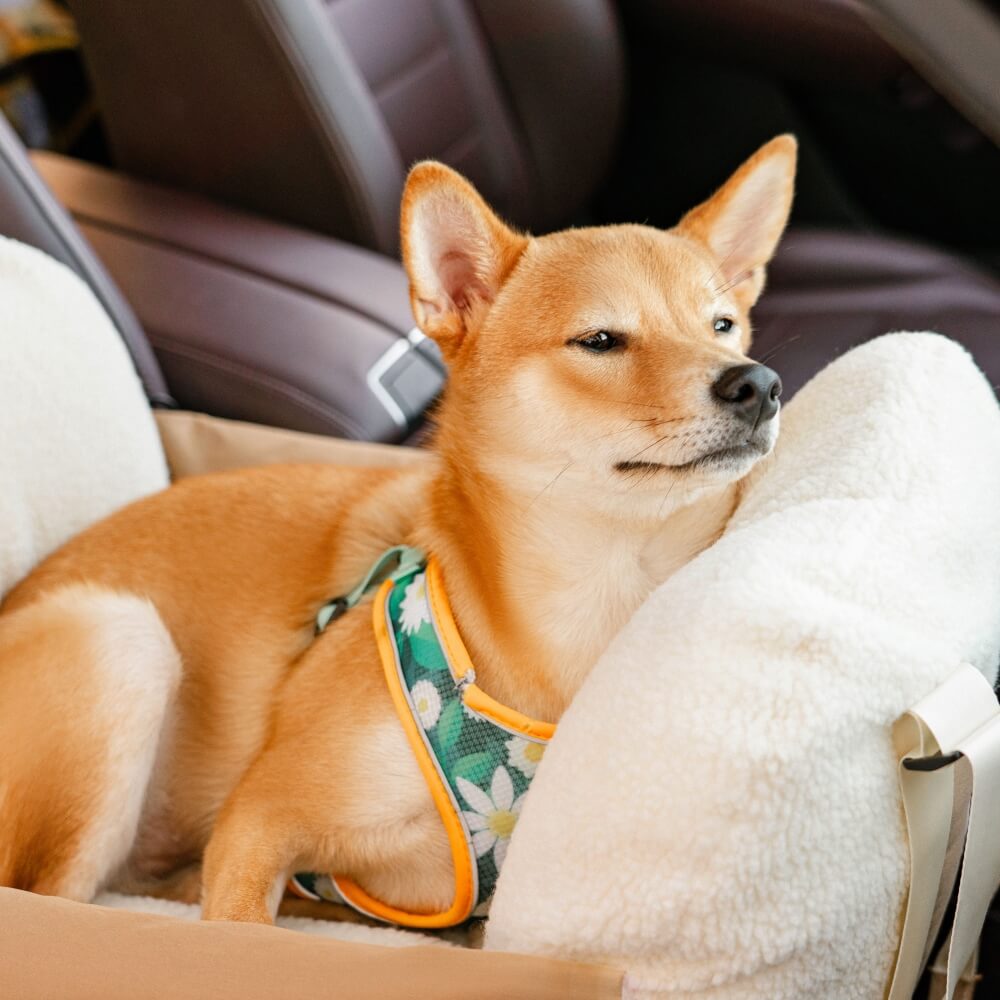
<point x="477" y="756"/>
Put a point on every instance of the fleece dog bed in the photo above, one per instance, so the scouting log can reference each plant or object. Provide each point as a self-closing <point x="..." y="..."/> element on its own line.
<point x="718" y="813"/>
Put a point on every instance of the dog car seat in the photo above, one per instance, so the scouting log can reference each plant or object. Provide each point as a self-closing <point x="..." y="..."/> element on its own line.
<point x="149" y="956"/>
<point x="84" y="931"/>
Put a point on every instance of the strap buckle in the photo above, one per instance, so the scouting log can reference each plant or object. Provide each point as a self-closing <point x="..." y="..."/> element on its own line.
<point x="330" y="612"/>
<point x="949" y="775"/>
<point x="461" y="683"/>
<point x="407" y="560"/>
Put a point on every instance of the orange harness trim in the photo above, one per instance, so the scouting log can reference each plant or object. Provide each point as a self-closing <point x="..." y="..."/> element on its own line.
<point x="473" y="698"/>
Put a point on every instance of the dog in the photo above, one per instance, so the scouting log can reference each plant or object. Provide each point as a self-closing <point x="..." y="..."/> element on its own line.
<point x="170" y="722"/>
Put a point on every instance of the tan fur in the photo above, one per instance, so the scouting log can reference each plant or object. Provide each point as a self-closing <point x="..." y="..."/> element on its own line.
<point x="279" y="752"/>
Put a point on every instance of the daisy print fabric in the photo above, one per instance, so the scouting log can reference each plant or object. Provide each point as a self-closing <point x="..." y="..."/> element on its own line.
<point x="487" y="767"/>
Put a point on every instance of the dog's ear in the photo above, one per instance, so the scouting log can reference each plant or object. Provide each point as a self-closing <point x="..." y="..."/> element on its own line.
<point x="456" y="251"/>
<point x="743" y="221"/>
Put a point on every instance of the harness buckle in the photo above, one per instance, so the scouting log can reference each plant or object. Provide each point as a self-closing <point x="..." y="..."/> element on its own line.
<point x="330" y="612"/>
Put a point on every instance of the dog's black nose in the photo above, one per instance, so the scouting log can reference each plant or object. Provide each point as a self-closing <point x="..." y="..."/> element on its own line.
<point x="751" y="391"/>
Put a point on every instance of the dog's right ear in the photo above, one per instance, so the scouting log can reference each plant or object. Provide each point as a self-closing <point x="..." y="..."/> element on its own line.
<point x="456" y="251"/>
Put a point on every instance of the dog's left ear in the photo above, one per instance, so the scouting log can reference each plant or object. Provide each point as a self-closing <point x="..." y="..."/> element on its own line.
<point x="456" y="251"/>
<point x="743" y="221"/>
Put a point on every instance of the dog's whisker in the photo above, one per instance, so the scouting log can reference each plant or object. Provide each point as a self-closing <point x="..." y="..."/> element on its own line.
<point x="774" y="350"/>
<point x="621" y="430"/>
<point x="722" y="264"/>
<point x="666" y="497"/>
<point x="734" y="282"/>
<point x="549" y="484"/>
<point x="736" y="279"/>
<point x="658" y="441"/>
<point x="651" y="406"/>
<point x="645" y="425"/>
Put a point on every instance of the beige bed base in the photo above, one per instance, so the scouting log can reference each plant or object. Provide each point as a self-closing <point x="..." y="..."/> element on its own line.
<point x="54" y="949"/>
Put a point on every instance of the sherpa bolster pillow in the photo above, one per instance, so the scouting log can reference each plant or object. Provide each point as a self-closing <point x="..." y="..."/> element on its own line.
<point x="719" y="811"/>
<point x="77" y="438"/>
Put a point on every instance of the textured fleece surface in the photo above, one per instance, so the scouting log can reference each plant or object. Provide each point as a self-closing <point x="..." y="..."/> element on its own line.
<point x="77" y="438"/>
<point x="719" y="810"/>
<point x="358" y="933"/>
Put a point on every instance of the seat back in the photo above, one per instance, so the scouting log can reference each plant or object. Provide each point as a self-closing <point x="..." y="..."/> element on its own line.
<point x="30" y="214"/>
<point x="312" y="110"/>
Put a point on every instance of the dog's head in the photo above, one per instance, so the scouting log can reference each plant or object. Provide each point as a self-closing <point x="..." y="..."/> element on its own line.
<point x="615" y="356"/>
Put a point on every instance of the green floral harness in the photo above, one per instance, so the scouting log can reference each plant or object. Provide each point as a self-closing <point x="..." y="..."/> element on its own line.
<point x="477" y="756"/>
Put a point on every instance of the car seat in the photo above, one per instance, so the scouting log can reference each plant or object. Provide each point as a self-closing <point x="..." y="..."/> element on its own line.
<point x="249" y="319"/>
<point x="310" y="111"/>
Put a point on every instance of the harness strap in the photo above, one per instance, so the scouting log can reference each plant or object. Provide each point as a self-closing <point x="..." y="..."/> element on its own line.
<point x="407" y="560"/>
<point x="477" y="756"/>
<point x="949" y="774"/>
<point x="464" y="899"/>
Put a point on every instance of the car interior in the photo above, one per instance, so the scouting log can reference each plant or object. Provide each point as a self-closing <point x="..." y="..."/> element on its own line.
<point x="226" y="176"/>
<point x="244" y="196"/>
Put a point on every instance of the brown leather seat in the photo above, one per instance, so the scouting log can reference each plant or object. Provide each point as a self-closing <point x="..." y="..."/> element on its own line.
<point x="829" y="291"/>
<point x="249" y="319"/>
<point x="310" y="110"/>
<point x="30" y="214"/>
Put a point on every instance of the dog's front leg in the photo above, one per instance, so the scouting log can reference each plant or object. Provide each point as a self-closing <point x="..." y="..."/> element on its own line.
<point x="253" y="846"/>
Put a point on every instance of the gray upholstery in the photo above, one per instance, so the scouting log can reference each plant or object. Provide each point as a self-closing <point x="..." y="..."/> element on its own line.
<point x="829" y="291"/>
<point x="827" y="41"/>
<point x="956" y="45"/>
<point x="29" y="213"/>
<point x="562" y="65"/>
<point x="311" y="111"/>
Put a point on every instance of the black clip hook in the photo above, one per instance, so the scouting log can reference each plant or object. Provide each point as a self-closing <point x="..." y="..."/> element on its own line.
<point x="933" y="763"/>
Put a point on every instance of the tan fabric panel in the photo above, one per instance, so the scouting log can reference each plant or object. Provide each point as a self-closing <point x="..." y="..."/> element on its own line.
<point x="55" y="949"/>
<point x="196" y="444"/>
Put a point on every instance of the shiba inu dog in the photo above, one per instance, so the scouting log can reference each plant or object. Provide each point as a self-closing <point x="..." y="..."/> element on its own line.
<point x="169" y="721"/>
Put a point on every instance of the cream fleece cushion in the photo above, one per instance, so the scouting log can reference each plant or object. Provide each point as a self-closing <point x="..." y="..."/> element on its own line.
<point x="719" y="809"/>
<point x="77" y="438"/>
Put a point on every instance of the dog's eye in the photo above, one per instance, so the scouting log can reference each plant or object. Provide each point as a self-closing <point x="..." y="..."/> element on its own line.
<point x="723" y="325"/>
<point x="599" y="341"/>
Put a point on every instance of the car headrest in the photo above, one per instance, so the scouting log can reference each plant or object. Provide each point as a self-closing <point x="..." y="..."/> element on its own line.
<point x="29" y="213"/>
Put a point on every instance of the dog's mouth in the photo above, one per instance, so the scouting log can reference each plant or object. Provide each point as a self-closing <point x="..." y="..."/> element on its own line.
<point x="732" y="455"/>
